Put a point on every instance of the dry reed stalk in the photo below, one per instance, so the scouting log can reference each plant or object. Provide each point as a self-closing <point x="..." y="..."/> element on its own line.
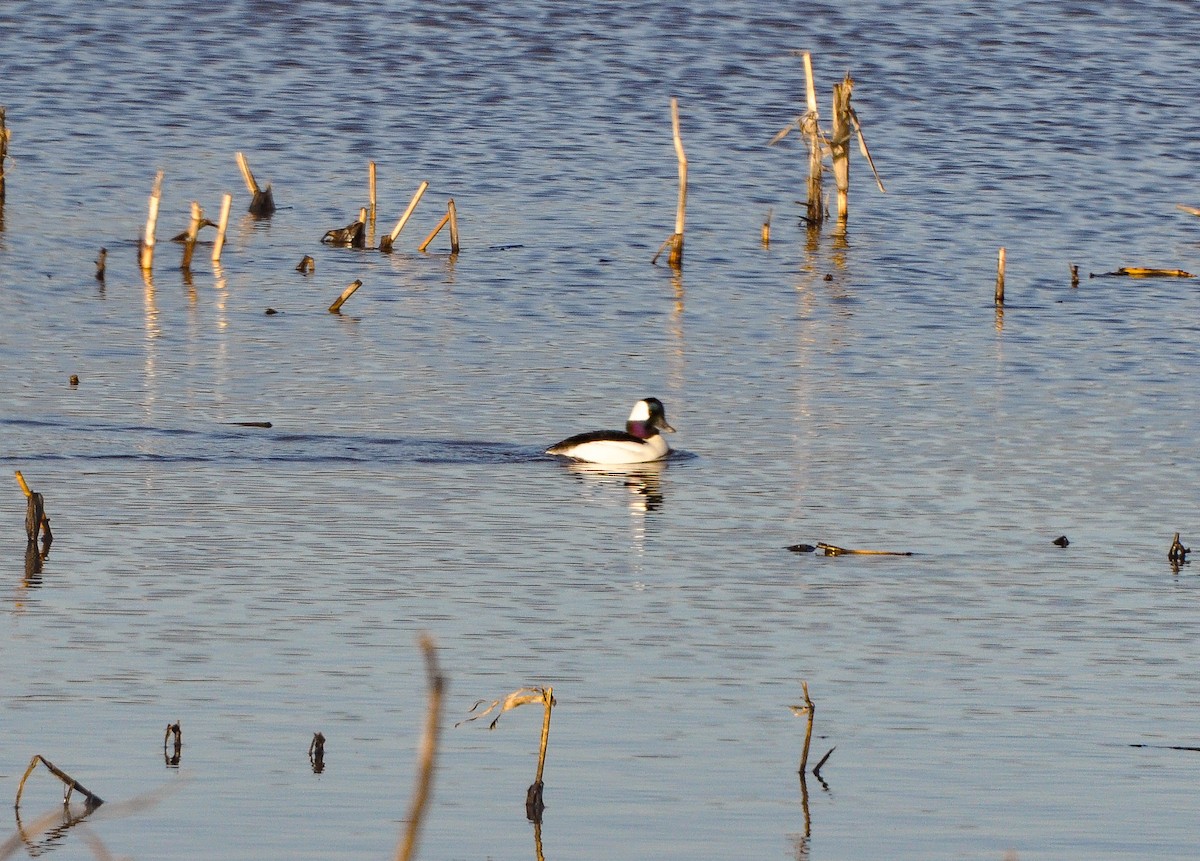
<point x="534" y="805"/>
<point x="453" y="213"/>
<point x="834" y="550"/>
<point x="247" y="176"/>
<point x="69" y="782"/>
<point x="807" y="709"/>
<point x="222" y="225"/>
<point x="146" y="255"/>
<point x="839" y="144"/>
<point x="35" y="515"/>
<point x="810" y="127"/>
<point x="346" y="294"/>
<point x="262" y="201"/>
<point x="189" y="241"/>
<point x="428" y="753"/>
<point x="766" y="229"/>
<point x="1074" y="275"/>
<point x="675" y="257"/>
<point x="306" y="265"/>
<point x="371" y="200"/>
<point x="101" y="262"/>
<point x="1000" y="277"/>
<point x="445" y="220"/>
<point x="521" y="697"/>
<point x="412" y="205"/>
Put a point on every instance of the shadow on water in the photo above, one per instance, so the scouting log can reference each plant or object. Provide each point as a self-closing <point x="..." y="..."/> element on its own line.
<point x="263" y="445"/>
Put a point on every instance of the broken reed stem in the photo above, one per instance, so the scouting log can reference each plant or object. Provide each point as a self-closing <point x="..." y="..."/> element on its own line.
<point x="445" y="220"/>
<point x="808" y="729"/>
<point x="262" y="202"/>
<point x="71" y="783"/>
<point x="453" y="213"/>
<point x="189" y="242"/>
<point x="548" y="698"/>
<point x="412" y="205"/>
<point x="766" y="229"/>
<point x="839" y="144"/>
<point x="675" y="256"/>
<point x="371" y="198"/>
<point x="101" y="262"/>
<point x="1000" y="277"/>
<point x="146" y="256"/>
<point x="35" y="514"/>
<point x="346" y="294"/>
<point x="810" y="86"/>
<point x="428" y="753"/>
<point x="811" y="127"/>
<point x="172" y="759"/>
<point x="222" y="224"/>
<point x="247" y="176"/>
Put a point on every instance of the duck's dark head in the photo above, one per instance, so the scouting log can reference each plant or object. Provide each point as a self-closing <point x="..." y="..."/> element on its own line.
<point x="647" y="418"/>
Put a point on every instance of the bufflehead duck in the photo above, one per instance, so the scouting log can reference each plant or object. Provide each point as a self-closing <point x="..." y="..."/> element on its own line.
<point x="640" y="442"/>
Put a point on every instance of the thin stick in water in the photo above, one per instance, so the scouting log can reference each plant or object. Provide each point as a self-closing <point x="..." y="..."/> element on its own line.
<point x="810" y="125"/>
<point x="1000" y="277"/>
<point x="346" y="294"/>
<point x="371" y="199"/>
<point x="445" y="220"/>
<point x="675" y="256"/>
<point x="189" y="241"/>
<point x="534" y="805"/>
<point x="262" y="201"/>
<point x="222" y="224"/>
<point x="453" y="213"/>
<point x="839" y="144"/>
<point x="428" y="752"/>
<point x="412" y="205"/>
<point x="808" y="708"/>
<point x="146" y="255"/>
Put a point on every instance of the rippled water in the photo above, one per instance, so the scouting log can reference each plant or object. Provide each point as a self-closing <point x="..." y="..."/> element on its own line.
<point x="992" y="692"/>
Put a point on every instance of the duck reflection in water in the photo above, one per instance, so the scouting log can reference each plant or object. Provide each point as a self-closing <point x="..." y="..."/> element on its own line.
<point x="642" y="480"/>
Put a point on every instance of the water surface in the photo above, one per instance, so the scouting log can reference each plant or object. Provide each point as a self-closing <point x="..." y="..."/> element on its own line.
<point x="992" y="692"/>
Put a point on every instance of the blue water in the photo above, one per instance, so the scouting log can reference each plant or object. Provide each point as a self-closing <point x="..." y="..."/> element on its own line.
<point x="990" y="694"/>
